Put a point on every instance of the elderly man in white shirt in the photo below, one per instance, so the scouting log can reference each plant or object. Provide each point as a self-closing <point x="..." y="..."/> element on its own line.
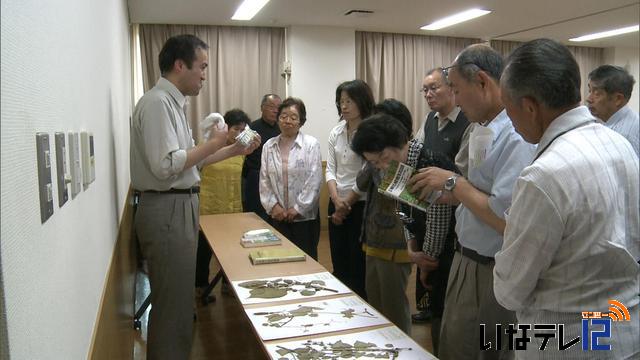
<point x="571" y="242"/>
<point x="609" y="93"/>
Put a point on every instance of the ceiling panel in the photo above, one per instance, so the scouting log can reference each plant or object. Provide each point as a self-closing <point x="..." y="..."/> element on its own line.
<point x="510" y="20"/>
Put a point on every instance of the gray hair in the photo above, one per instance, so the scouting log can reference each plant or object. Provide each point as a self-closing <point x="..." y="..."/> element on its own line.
<point x="439" y="70"/>
<point x="613" y="79"/>
<point x="479" y="57"/>
<point x="545" y="70"/>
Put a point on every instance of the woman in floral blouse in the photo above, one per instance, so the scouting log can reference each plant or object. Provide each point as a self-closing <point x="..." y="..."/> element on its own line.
<point x="290" y="179"/>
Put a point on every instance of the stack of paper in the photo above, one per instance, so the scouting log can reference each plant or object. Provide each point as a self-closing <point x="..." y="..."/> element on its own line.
<point x="260" y="237"/>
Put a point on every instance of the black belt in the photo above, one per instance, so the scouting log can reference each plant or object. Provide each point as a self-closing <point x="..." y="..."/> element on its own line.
<point x="473" y="255"/>
<point x="192" y="190"/>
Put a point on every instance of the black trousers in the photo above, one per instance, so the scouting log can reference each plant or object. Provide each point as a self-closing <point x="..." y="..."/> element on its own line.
<point x="437" y="279"/>
<point x="346" y="250"/>
<point x="251" y="194"/>
<point x="203" y="258"/>
<point x="420" y="289"/>
<point x="304" y="234"/>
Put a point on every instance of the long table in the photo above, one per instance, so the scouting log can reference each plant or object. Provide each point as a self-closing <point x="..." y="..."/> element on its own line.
<point x="223" y="232"/>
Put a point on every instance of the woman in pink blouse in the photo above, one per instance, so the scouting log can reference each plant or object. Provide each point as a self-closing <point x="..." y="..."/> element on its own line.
<point x="290" y="179"/>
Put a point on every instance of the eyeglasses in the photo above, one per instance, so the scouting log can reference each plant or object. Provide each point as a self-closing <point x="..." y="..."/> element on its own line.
<point x="432" y="88"/>
<point x="289" y="117"/>
<point x="445" y="71"/>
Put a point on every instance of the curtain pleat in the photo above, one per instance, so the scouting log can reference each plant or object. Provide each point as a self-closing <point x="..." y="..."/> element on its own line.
<point x="244" y="64"/>
<point x="394" y="65"/>
<point x="588" y="58"/>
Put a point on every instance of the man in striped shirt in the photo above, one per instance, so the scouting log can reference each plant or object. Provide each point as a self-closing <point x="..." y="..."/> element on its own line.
<point x="609" y="92"/>
<point x="572" y="239"/>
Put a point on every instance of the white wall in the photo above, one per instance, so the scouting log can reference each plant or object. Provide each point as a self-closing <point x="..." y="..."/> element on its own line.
<point x="321" y="58"/>
<point x="628" y="58"/>
<point x="65" y="67"/>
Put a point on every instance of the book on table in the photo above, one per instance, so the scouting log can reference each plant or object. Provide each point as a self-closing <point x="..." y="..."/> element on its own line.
<point x="278" y="255"/>
<point x="394" y="185"/>
<point x="259" y="237"/>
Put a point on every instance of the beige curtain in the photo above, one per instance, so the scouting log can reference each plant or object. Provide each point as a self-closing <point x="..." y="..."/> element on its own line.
<point x="394" y="65"/>
<point x="244" y="64"/>
<point x="588" y="58"/>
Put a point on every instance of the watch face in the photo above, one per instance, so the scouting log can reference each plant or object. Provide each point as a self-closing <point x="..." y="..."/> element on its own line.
<point x="450" y="183"/>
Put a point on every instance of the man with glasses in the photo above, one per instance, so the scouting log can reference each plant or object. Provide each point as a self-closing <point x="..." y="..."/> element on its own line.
<point x="442" y="132"/>
<point x="267" y="127"/>
<point x="444" y="126"/>
<point x="484" y="195"/>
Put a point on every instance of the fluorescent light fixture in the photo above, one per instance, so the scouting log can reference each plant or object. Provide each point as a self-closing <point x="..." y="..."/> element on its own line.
<point x="455" y="19"/>
<point x="248" y="9"/>
<point x="605" y="34"/>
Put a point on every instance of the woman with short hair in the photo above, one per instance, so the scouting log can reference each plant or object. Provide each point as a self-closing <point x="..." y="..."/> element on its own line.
<point x="290" y="179"/>
<point x="390" y="228"/>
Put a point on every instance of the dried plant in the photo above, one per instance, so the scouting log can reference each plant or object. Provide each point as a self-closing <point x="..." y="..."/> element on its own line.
<point x="280" y="319"/>
<point x="319" y="350"/>
<point x="270" y="289"/>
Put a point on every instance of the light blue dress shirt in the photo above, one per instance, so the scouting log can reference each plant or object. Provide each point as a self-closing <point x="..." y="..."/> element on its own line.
<point x="495" y="176"/>
<point x="625" y="123"/>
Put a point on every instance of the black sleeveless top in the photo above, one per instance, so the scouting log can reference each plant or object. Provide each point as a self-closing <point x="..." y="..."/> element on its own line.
<point x="448" y="140"/>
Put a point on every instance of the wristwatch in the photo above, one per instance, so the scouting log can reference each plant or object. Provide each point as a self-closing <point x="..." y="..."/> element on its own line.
<point x="450" y="184"/>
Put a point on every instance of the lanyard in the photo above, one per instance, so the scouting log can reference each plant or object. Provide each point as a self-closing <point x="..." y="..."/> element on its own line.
<point x="557" y="136"/>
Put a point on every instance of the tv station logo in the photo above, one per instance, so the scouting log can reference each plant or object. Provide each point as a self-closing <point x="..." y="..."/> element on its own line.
<point x="596" y="326"/>
<point x="617" y="312"/>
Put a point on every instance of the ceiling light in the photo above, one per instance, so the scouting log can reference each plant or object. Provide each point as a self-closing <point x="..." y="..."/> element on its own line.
<point x="455" y="19"/>
<point x="605" y="34"/>
<point x="248" y="9"/>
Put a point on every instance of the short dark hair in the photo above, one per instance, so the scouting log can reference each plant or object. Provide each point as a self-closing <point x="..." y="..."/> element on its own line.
<point x="292" y="101"/>
<point x="398" y="110"/>
<point x="545" y="70"/>
<point x="180" y="47"/>
<point x="377" y="132"/>
<point x="234" y="117"/>
<point x="266" y="98"/>
<point x="478" y="57"/>
<point x="360" y="92"/>
<point x="613" y="79"/>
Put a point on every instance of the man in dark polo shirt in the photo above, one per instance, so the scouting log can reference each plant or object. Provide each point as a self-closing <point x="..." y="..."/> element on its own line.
<point x="267" y="127"/>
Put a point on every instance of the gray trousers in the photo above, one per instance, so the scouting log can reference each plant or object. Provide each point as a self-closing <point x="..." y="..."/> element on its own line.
<point x="167" y="229"/>
<point x="469" y="302"/>
<point x="386" y="286"/>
